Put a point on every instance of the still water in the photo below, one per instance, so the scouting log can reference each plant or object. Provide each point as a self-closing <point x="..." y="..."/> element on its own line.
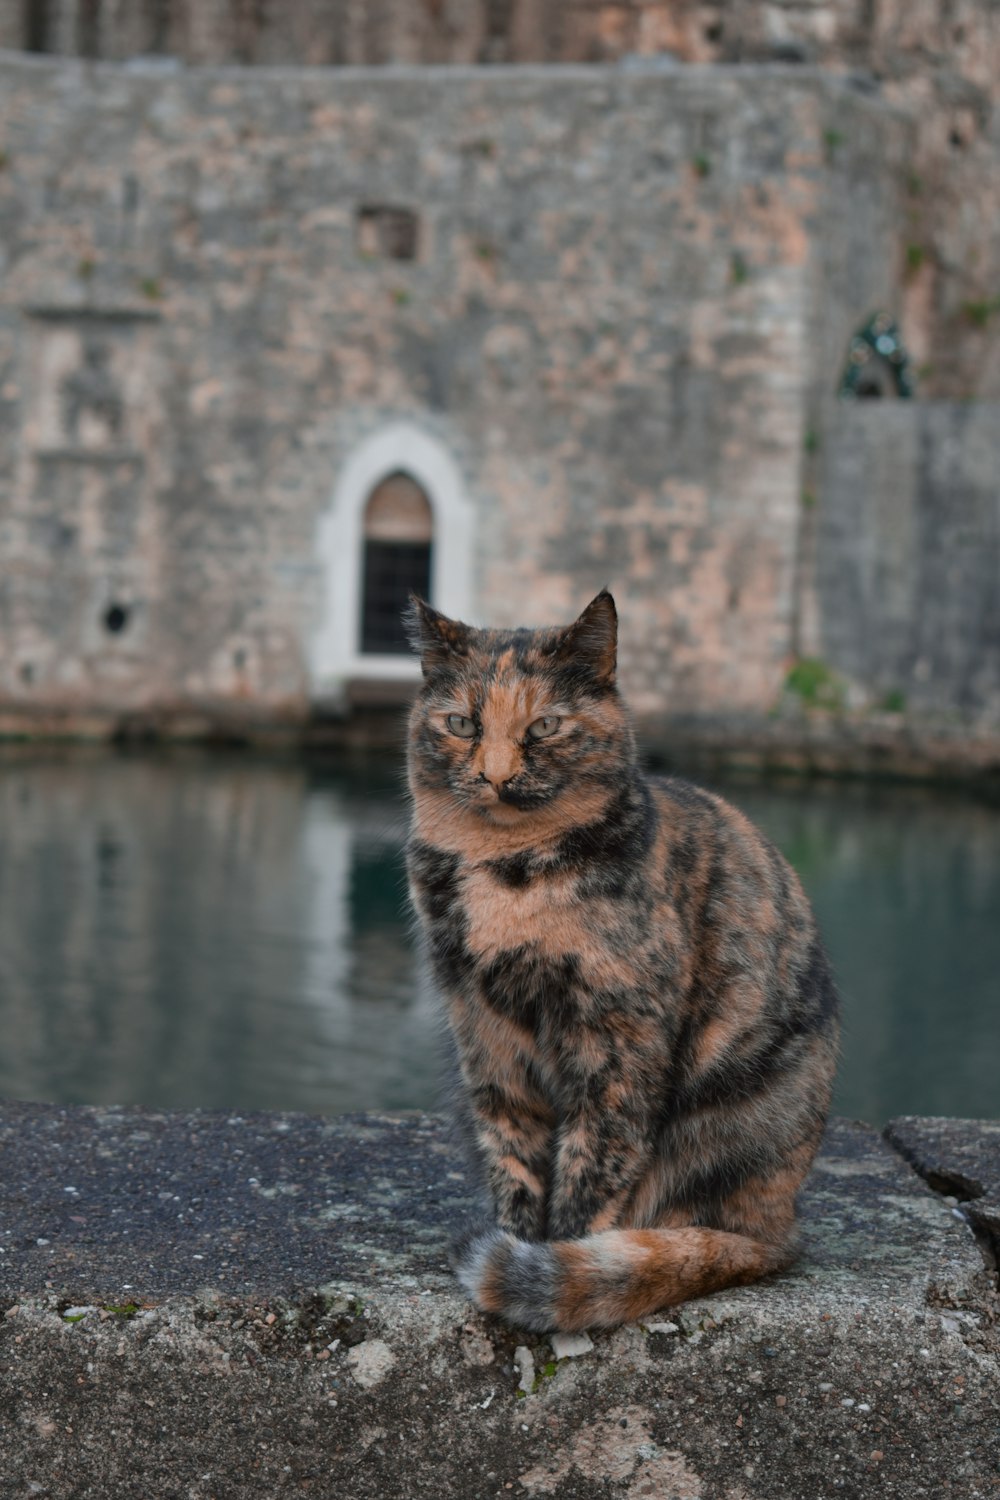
<point x="184" y="930"/>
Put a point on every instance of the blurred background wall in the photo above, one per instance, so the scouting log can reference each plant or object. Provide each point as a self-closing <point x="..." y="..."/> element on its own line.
<point x="708" y="313"/>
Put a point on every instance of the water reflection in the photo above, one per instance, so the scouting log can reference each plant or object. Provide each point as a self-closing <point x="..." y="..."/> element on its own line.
<point x="906" y="883"/>
<point x="191" y="930"/>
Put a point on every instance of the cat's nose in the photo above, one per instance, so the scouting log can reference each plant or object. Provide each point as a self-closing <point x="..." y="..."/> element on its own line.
<point x="498" y="782"/>
<point x="499" y="766"/>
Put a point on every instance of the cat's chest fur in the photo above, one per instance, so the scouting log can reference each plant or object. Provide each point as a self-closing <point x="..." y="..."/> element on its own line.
<point x="508" y="908"/>
<point x="529" y="930"/>
<point x="547" y="967"/>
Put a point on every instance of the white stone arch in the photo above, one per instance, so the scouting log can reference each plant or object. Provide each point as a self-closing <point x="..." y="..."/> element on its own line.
<point x="335" y="657"/>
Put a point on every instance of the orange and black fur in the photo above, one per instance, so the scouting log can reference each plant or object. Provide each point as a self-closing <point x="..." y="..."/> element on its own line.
<point x="643" y="1018"/>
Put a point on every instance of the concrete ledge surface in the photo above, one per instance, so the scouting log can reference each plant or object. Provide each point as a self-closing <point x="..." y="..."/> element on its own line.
<point x="217" y="1305"/>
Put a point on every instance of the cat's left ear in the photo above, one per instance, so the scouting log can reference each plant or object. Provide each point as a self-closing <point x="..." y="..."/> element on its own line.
<point x="593" y="638"/>
<point x="436" y="639"/>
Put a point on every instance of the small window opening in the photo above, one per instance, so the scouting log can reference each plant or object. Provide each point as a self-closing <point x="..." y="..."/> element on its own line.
<point x="89" y="28"/>
<point x="159" y="14"/>
<point x="397" y="561"/>
<point x="714" y="31"/>
<point x="27" y="673"/>
<point x="497" y="28"/>
<point x="388" y="232"/>
<point x="115" y="618"/>
<point x="499" y="15"/>
<point x="36" y="26"/>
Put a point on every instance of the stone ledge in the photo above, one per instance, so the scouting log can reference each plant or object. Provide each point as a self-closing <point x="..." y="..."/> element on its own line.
<point x="893" y="747"/>
<point x="961" y="1160"/>
<point x="877" y="747"/>
<point x="213" y="1305"/>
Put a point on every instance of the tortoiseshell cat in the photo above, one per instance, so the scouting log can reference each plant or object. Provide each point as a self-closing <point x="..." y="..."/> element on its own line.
<point x="644" y="1021"/>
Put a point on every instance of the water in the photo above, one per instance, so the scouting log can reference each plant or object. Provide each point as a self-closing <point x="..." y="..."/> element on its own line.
<point x="182" y="930"/>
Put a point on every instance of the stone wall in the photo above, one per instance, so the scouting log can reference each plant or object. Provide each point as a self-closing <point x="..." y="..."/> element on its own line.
<point x="894" y="38"/>
<point x="908" y="554"/>
<point x="937" y="64"/>
<point x="616" y="301"/>
<point x="605" y="324"/>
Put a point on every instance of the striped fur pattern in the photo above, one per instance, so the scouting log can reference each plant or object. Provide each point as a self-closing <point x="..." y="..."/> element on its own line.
<point x="643" y="1019"/>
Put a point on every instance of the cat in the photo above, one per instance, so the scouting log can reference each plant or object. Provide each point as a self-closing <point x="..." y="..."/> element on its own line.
<point x="643" y="1019"/>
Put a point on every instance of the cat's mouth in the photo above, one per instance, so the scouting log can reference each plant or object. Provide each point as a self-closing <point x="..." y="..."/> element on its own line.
<point x="510" y="799"/>
<point x="512" y="796"/>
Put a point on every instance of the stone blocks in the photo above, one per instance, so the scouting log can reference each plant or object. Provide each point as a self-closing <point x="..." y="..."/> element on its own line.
<point x="209" y="1305"/>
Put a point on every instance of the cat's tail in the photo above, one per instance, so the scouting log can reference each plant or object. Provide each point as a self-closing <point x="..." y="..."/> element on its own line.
<point x="605" y="1279"/>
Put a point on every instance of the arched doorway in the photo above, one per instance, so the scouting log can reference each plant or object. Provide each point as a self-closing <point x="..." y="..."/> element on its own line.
<point x="399" y="522"/>
<point x="398" y="531"/>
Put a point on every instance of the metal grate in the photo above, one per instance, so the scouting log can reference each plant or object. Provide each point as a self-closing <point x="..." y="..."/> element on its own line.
<point x="392" y="572"/>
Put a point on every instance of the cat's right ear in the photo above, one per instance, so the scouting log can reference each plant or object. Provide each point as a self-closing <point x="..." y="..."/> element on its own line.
<point x="436" y="639"/>
<point x="592" y="640"/>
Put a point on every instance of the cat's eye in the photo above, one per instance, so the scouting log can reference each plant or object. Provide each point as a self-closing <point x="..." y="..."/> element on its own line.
<point x="460" y="725"/>
<point x="542" y="728"/>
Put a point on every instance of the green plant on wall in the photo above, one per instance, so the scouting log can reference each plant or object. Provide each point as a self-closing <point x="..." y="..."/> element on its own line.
<point x="915" y="257"/>
<point x="877" y="361"/>
<point x="832" y="141"/>
<point x="815" y="684"/>
<point x="980" y="313"/>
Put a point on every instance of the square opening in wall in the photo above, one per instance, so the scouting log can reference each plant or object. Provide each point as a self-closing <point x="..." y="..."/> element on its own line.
<point x="387" y="232"/>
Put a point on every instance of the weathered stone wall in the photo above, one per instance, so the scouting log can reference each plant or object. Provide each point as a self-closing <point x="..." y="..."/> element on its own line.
<point x="908" y="554"/>
<point x="893" y="37"/>
<point x="940" y="64"/>
<point x="627" y="305"/>
<point x="605" y="323"/>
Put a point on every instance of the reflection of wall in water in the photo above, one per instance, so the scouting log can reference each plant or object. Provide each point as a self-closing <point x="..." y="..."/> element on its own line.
<point x="362" y="976"/>
<point x="167" y="932"/>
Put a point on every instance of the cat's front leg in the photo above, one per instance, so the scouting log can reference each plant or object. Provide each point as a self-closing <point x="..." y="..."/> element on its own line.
<point x="514" y="1143"/>
<point x="599" y="1160"/>
<point x="606" y="1070"/>
<point x="506" y="1120"/>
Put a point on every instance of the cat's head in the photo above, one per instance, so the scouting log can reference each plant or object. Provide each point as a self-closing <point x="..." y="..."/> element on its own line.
<point x="511" y="721"/>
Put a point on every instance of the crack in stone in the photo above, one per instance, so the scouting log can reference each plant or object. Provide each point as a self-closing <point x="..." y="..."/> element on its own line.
<point x="948" y="1183"/>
